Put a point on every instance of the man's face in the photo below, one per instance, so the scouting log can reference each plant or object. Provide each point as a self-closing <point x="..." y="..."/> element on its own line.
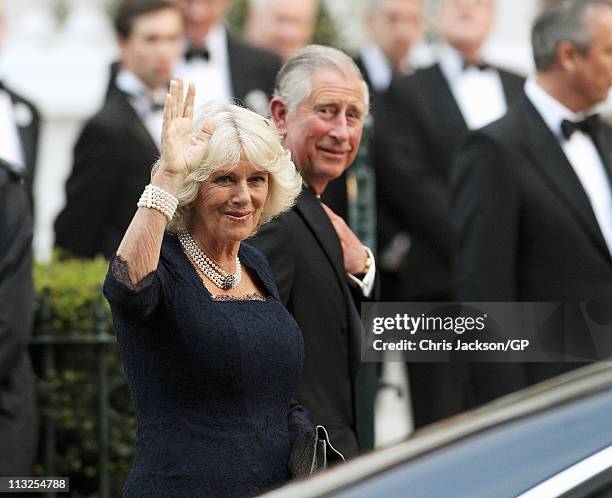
<point x="282" y="26"/>
<point x="592" y="75"/>
<point x="395" y="25"/>
<point x="465" y="24"/>
<point x="201" y="15"/>
<point x="324" y="131"/>
<point x="153" y="47"/>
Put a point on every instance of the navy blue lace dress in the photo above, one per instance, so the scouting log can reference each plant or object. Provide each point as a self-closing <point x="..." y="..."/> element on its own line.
<point x="211" y="380"/>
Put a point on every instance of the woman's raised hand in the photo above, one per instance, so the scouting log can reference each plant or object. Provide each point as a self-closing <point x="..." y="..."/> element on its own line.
<point x="181" y="149"/>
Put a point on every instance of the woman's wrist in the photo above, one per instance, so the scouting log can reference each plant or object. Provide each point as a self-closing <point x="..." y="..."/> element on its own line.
<point x="169" y="181"/>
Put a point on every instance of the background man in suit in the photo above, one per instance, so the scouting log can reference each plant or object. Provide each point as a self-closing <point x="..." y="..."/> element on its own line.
<point x="281" y="26"/>
<point x="532" y="198"/>
<point x="319" y="107"/>
<point x="19" y="128"/>
<point x="18" y="424"/>
<point x="115" y="151"/>
<point x="424" y="118"/>
<point x="221" y="66"/>
<point x="393" y="26"/>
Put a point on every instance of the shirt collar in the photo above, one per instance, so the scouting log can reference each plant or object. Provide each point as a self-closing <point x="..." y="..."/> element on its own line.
<point x="451" y="61"/>
<point x="216" y="42"/>
<point x="140" y="96"/>
<point x="377" y="65"/>
<point x="552" y="111"/>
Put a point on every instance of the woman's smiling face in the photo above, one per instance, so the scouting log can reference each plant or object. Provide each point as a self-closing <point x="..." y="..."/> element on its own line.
<point x="230" y="202"/>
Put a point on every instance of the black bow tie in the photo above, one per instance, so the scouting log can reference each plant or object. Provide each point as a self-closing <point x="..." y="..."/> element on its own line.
<point x="197" y="52"/>
<point x="481" y="66"/>
<point x="156" y="106"/>
<point x="588" y="125"/>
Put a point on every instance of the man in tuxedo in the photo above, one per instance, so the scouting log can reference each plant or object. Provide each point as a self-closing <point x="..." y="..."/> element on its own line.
<point x="319" y="107"/>
<point x="424" y="118"/>
<point x="18" y="423"/>
<point x="532" y="198"/>
<point x="421" y="121"/>
<point x="221" y="66"/>
<point x="19" y="128"/>
<point x="117" y="147"/>
<point x="280" y="26"/>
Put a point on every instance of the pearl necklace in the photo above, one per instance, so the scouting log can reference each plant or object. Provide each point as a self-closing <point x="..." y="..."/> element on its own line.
<point x="218" y="276"/>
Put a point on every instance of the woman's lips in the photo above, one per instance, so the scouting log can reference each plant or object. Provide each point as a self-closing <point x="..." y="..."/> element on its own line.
<point x="238" y="216"/>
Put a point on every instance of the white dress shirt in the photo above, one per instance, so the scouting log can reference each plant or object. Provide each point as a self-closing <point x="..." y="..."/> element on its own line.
<point x="581" y="153"/>
<point x="10" y="143"/>
<point x="143" y="101"/>
<point x="478" y="93"/>
<point x="211" y="77"/>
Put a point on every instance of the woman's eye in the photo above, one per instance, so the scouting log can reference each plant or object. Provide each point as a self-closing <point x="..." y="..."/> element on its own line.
<point x="258" y="179"/>
<point x="223" y="179"/>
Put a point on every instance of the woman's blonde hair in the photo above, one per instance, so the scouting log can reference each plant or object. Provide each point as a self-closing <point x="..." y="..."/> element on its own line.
<point x="239" y="134"/>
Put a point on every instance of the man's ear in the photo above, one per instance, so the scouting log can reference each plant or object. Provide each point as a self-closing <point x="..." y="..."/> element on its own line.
<point x="566" y="55"/>
<point x="279" y="112"/>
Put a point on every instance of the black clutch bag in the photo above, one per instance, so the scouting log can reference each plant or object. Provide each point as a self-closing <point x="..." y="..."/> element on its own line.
<point x="312" y="451"/>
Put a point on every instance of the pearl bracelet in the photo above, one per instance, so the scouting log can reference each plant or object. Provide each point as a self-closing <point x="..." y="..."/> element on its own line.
<point x="156" y="198"/>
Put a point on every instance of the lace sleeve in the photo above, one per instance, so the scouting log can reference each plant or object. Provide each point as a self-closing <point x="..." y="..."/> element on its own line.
<point x="135" y="302"/>
<point x="120" y="269"/>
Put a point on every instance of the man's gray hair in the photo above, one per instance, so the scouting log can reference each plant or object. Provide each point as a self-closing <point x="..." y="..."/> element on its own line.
<point x="561" y="20"/>
<point x="293" y="83"/>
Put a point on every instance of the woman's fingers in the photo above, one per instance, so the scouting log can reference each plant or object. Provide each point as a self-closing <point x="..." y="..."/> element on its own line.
<point x="189" y="101"/>
<point x="179" y="97"/>
<point x="167" y="113"/>
<point x="172" y="99"/>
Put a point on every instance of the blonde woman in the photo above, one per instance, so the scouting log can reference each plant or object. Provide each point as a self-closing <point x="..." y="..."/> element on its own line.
<point x="211" y="355"/>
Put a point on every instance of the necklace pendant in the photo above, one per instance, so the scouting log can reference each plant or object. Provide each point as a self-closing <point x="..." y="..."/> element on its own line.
<point x="230" y="282"/>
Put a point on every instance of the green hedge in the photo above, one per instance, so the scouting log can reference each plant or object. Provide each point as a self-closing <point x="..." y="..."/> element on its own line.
<point x="69" y="293"/>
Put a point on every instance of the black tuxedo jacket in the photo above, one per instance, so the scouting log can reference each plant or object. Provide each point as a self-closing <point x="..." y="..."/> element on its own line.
<point x="18" y="421"/>
<point x="112" y="165"/>
<point x="526" y="228"/>
<point x="306" y="259"/>
<point x="419" y="126"/>
<point x="526" y="232"/>
<point x="28" y="134"/>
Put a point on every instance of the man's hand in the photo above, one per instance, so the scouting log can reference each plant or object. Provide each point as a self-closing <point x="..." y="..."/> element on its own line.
<point x="354" y="253"/>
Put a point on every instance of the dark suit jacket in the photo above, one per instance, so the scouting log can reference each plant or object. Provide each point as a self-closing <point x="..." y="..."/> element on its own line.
<point x="306" y="259"/>
<point x="526" y="229"/>
<point x="112" y="165"/>
<point x="419" y="127"/>
<point x="28" y="134"/>
<point x="18" y="423"/>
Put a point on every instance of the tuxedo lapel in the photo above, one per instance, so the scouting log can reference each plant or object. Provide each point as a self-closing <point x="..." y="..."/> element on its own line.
<point x="132" y="121"/>
<point x="236" y="68"/>
<point x="604" y="145"/>
<point x="544" y="150"/>
<point x="310" y="209"/>
<point x="443" y="104"/>
<point x="512" y="85"/>
<point x="27" y="130"/>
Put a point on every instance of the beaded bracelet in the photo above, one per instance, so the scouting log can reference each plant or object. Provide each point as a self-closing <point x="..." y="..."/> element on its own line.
<point x="156" y="198"/>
